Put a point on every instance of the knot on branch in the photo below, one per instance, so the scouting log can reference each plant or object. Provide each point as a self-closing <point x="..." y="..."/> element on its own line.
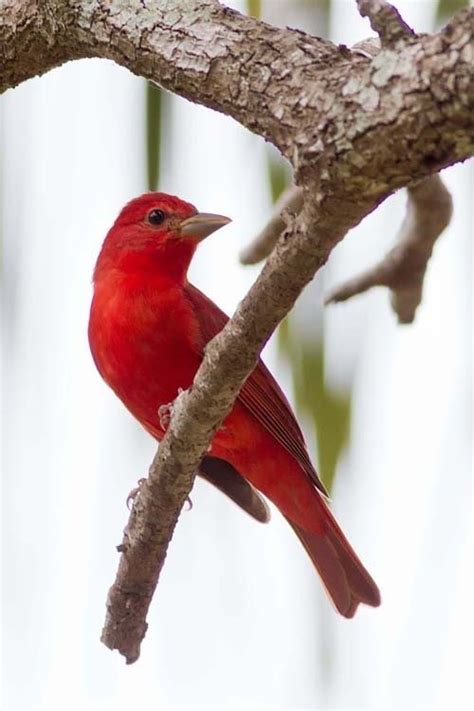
<point x="386" y="21"/>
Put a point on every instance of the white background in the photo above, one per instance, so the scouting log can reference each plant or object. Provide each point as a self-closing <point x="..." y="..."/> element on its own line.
<point x="239" y="616"/>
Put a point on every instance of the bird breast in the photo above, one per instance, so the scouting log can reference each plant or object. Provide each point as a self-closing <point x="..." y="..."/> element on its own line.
<point x="145" y="343"/>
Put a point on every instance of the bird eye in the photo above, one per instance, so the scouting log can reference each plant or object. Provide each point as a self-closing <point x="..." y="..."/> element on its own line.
<point x="156" y="217"/>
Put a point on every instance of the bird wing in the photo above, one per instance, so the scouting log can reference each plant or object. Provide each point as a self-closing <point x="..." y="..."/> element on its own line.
<point x="226" y="478"/>
<point x="260" y="394"/>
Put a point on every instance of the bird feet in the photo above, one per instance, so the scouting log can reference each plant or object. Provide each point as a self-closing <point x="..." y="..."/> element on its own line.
<point x="165" y="413"/>
<point x="135" y="492"/>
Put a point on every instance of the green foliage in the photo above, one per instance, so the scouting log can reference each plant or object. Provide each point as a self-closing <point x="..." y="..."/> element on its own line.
<point x="447" y="8"/>
<point x="254" y="8"/>
<point x="279" y="175"/>
<point x="153" y="128"/>
<point x="328" y="410"/>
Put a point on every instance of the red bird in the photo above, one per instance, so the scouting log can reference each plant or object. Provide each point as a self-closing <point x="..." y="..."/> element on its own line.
<point x="148" y="330"/>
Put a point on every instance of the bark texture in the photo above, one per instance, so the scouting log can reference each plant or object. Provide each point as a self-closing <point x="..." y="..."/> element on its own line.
<point x="354" y="127"/>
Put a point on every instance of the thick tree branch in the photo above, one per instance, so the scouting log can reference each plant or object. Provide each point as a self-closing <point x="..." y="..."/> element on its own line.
<point x="30" y="40"/>
<point x="428" y="212"/>
<point x="314" y="100"/>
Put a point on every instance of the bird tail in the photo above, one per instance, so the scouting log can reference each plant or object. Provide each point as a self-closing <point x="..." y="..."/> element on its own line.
<point x="344" y="577"/>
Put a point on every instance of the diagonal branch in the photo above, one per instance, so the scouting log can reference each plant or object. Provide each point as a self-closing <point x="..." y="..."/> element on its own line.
<point x="429" y="210"/>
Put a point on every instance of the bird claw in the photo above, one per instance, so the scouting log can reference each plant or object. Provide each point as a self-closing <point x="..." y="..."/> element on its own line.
<point x="135" y="492"/>
<point x="165" y="413"/>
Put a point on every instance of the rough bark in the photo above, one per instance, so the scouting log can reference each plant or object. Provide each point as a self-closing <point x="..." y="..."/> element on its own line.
<point x="355" y="128"/>
<point x="314" y="100"/>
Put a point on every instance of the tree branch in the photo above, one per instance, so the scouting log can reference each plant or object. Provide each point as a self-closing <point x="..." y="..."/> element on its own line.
<point x="312" y="99"/>
<point x="429" y="210"/>
<point x="30" y="33"/>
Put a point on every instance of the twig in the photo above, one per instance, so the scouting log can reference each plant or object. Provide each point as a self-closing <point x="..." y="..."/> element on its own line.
<point x="385" y="20"/>
<point x="429" y="210"/>
<point x="291" y="201"/>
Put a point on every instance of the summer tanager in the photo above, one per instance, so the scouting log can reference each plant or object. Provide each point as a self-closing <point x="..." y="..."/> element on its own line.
<point x="148" y="329"/>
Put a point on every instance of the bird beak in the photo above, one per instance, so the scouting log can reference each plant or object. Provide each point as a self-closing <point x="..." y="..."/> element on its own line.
<point x="202" y="225"/>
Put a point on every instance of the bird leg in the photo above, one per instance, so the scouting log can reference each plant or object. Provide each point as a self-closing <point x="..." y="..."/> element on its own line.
<point x="134" y="492"/>
<point x="165" y="413"/>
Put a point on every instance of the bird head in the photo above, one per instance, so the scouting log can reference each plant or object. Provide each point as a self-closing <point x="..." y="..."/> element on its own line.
<point x="156" y="231"/>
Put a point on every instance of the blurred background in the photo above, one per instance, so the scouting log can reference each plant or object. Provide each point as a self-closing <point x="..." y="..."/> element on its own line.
<point x="239" y="620"/>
